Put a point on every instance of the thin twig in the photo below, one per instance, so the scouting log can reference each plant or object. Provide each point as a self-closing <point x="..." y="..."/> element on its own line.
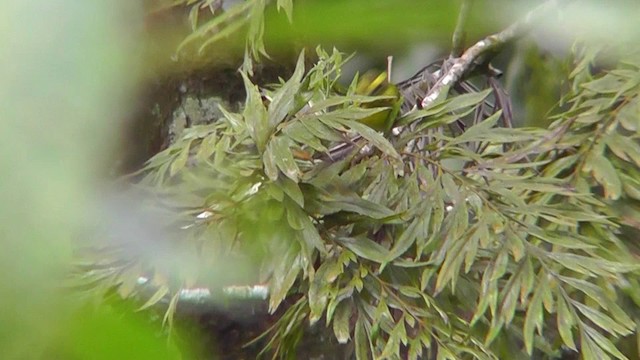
<point x="456" y="68"/>
<point x="459" y="34"/>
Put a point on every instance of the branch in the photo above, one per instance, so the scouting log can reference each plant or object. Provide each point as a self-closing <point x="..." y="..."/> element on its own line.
<point x="454" y="69"/>
<point x="459" y="34"/>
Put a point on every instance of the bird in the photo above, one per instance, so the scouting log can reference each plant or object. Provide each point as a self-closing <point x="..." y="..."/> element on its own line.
<point x="376" y="83"/>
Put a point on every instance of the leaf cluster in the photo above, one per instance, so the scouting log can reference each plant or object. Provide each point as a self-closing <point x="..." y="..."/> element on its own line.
<point x="457" y="237"/>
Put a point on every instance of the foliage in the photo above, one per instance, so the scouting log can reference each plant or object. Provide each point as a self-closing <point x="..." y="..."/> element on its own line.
<point x="249" y="14"/>
<point x="405" y="249"/>
<point x="456" y="236"/>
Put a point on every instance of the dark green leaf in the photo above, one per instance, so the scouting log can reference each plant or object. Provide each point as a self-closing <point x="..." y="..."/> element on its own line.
<point x="281" y="150"/>
<point x="284" y="98"/>
<point x="365" y="247"/>
<point x="341" y="322"/>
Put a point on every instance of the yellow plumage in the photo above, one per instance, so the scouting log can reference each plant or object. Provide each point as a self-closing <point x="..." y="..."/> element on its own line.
<point x="373" y="83"/>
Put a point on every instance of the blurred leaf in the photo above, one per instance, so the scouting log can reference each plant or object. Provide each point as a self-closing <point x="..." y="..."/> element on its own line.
<point x="156" y="297"/>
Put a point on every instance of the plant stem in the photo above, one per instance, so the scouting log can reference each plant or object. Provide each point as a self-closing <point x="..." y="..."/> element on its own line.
<point x="459" y="33"/>
<point x="456" y="68"/>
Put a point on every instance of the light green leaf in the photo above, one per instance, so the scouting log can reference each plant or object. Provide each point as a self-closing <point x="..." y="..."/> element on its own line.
<point x="604" y="343"/>
<point x="624" y="147"/>
<point x="287" y="6"/>
<point x="465" y="100"/>
<point x="608" y="84"/>
<point x="180" y="160"/>
<point x="255" y="114"/>
<point x="628" y="115"/>
<point x="216" y="23"/>
<point x="605" y="174"/>
<point x="156" y="297"/>
<point x="565" y="321"/>
<point x="603" y="321"/>
<point x="534" y="316"/>
<point x="207" y="147"/>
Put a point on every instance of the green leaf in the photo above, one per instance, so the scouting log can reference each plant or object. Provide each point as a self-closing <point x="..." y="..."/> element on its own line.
<point x="534" y="316"/>
<point x="565" y="322"/>
<point x="602" y="320"/>
<point x="482" y="129"/>
<point x="275" y="191"/>
<point x="605" y="174"/>
<point x="365" y="247"/>
<point x="624" y="147"/>
<point x="465" y="100"/>
<point x="269" y="162"/>
<point x="287" y="6"/>
<point x="565" y="240"/>
<point x="335" y="200"/>
<point x="405" y="240"/>
<point x="171" y="310"/>
<point x="588" y="288"/>
<point x="341" y="322"/>
<point x="215" y="24"/>
<point x="319" y="289"/>
<point x="320" y="130"/>
<point x="628" y="115"/>
<point x="180" y="160"/>
<point x="280" y="148"/>
<point x="361" y="340"/>
<point x="372" y="136"/>
<point x="156" y="297"/>
<point x="283" y="277"/>
<point x="311" y="236"/>
<point x="604" y="343"/>
<point x="283" y="101"/>
<point x="510" y="299"/>
<point x="292" y="190"/>
<point x="608" y="84"/>
<point x="300" y="134"/>
<point x="255" y="114"/>
<point x="207" y="147"/>
<point x="590" y="350"/>
<point x="226" y="31"/>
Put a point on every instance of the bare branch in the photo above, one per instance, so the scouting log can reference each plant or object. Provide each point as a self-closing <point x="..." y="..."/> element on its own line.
<point x="459" y="33"/>
<point x="454" y="69"/>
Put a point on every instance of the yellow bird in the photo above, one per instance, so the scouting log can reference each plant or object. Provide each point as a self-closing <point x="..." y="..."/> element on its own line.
<point x="374" y="83"/>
